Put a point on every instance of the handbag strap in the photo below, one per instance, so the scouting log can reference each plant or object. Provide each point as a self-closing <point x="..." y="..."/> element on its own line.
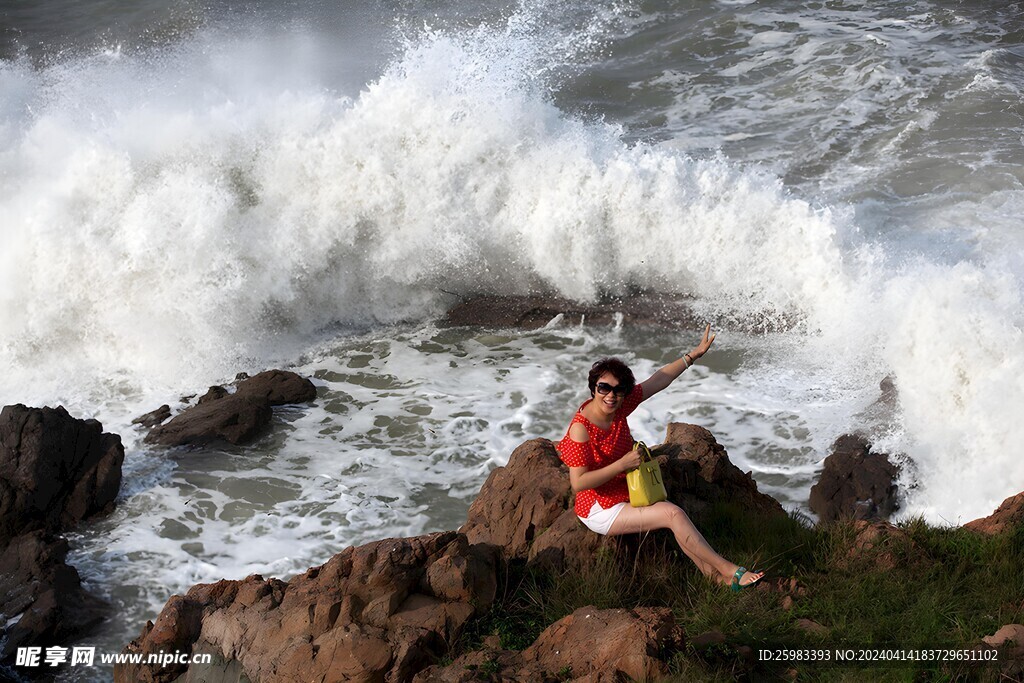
<point x="645" y="452"/>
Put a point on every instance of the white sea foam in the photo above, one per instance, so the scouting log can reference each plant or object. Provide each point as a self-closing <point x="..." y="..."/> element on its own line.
<point x="172" y="218"/>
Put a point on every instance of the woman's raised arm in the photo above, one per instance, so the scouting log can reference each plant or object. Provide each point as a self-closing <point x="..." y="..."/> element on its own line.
<point x="665" y="376"/>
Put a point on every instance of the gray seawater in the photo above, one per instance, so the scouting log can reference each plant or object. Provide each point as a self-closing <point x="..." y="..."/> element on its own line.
<point x="194" y="189"/>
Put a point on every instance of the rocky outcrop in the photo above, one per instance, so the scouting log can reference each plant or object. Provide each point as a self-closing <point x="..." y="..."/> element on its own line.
<point x="387" y="610"/>
<point x="532" y="312"/>
<point x="855" y="483"/>
<point x="279" y="387"/>
<point x="238" y="417"/>
<point x="588" y="645"/>
<point x="1008" y="515"/>
<point x="41" y="598"/>
<point x="526" y="507"/>
<point x="382" y="611"/>
<point x="54" y="469"/>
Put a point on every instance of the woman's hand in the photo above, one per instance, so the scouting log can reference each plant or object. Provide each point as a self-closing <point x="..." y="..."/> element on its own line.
<point x="705" y="343"/>
<point x="630" y="461"/>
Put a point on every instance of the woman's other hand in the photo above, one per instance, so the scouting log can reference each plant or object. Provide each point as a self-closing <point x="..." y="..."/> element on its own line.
<point x="630" y="461"/>
<point x="705" y="343"/>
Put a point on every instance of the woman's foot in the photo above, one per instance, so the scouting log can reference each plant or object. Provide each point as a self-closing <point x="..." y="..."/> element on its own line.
<point x="742" y="578"/>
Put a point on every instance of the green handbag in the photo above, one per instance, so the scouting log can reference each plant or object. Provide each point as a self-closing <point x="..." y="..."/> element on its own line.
<point x="645" y="484"/>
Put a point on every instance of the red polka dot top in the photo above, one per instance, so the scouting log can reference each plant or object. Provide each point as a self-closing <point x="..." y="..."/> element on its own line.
<point x="604" y="448"/>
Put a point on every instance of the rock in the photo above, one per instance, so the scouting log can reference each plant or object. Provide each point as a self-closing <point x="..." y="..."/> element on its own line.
<point x="152" y="419"/>
<point x="588" y="645"/>
<point x="1010" y="636"/>
<point x="812" y="627"/>
<point x="378" y="612"/>
<point x="855" y="483"/>
<point x="233" y="418"/>
<point x="532" y="312"/>
<point x="526" y="507"/>
<point x="212" y="394"/>
<point x="279" y="387"/>
<point x="41" y="598"/>
<point x="882" y="545"/>
<point x="1007" y="516"/>
<point x="54" y="469"/>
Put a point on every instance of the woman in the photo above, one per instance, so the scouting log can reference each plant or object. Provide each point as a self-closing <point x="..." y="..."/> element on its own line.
<point x="598" y="450"/>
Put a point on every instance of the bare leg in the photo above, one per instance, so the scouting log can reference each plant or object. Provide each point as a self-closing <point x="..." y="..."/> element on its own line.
<point x="667" y="515"/>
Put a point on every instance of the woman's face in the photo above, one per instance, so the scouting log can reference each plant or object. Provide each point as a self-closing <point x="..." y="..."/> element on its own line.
<point x="610" y="402"/>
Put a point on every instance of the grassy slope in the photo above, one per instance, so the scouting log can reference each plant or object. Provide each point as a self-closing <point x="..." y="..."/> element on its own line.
<point x="943" y="586"/>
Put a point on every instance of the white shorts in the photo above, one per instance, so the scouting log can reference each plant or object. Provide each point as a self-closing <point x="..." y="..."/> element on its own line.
<point x="600" y="520"/>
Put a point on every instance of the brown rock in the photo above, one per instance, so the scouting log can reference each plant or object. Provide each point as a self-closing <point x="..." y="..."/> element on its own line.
<point x="519" y="500"/>
<point x="883" y="544"/>
<point x="54" y="469"/>
<point x="855" y="483"/>
<point x="373" y="613"/>
<point x="812" y="627"/>
<point x="280" y="387"/>
<point x="232" y="418"/>
<point x="152" y="419"/>
<point x="1009" y="514"/>
<point x="525" y="508"/>
<point x="42" y="593"/>
<point x="1011" y="634"/>
<point x="589" y="644"/>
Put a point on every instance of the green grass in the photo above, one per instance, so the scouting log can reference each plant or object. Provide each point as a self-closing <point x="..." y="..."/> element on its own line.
<point x="935" y="586"/>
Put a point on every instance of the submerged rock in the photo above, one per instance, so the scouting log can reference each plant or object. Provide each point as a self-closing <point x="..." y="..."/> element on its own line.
<point x="235" y="419"/>
<point x="855" y="483"/>
<point x="531" y="312"/>
<point x="239" y="417"/>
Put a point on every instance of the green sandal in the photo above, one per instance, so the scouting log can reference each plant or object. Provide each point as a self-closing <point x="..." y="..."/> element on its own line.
<point x="736" y="586"/>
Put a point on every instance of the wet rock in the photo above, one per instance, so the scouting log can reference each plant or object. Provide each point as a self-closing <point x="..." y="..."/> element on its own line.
<point x="280" y="387"/>
<point x="232" y="418"/>
<point x="855" y="483"/>
<point x="152" y="419"/>
<point x="54" y="469"/>
<point x="376" y="612"/>
<point x="1007" y="516"/>
<point x="532" y="312"/>
<point x="41" y="598"/>
<point x="589" y="644"/>
<point x="212" y="394"/>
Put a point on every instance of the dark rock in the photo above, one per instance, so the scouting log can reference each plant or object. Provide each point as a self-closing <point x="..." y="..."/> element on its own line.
<point x="54" y="469"/>
<point x="377" y="612"/>
<point x="154" y="418"/>
<point x="43" y="593"/>
<point x="531" y="312"/>
<point x="212" y="394"/>
<point x="855" y="483"/>
<point x="280" y="387"/>
<point x="1007" y="516"/>
<point x="232" y="418"/>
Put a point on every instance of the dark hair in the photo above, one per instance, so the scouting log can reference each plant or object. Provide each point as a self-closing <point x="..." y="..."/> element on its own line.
<point x="617" y="368"/>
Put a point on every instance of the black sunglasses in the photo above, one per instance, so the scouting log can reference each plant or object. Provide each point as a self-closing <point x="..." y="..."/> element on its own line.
<point x="603" y="388"/>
